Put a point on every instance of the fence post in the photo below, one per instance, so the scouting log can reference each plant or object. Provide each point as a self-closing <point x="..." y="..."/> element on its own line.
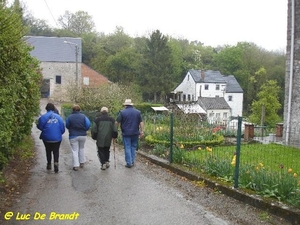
<point x="238" y="150"/>
<point x="171" y="136"/>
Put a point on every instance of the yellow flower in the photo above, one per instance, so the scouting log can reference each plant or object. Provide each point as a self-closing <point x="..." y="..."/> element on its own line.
<point x="290" y="170"/>
<point x="233" y="160"/>
<point x="257" y="168"/>
<point x="208" y="149"/>
<point x="199" y="148"/>
<point x="261" y="165"/>
<point x="181" y="146"/>
<point x="295" y="175"/>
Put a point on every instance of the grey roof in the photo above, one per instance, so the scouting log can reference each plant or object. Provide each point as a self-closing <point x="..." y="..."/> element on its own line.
<point x="213" y="103"/>
<point x="232" y="85"/>
<point x="54" y="49"/>
<point x="211" y="76"/>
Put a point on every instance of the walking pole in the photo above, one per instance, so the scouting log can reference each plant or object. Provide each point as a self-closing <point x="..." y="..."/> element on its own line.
<point x="114" y="146"/>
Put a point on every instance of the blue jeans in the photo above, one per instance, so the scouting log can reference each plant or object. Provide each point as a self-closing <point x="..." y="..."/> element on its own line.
<point x="130" y="145"/>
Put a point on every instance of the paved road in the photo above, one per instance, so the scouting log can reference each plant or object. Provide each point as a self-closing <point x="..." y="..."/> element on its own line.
<point x="91" y="196"/>
<point x="143" y="195"/>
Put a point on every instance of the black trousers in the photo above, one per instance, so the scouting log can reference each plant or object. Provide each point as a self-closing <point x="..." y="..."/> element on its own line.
<point x="52" y="147"/>
<point x="103" y="154"/>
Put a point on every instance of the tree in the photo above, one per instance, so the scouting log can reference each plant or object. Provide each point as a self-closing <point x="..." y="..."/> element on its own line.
<point x="156" y="76"/>
<point x="268" y="98"/>
<point x="38" y="27"/>
<point x="123" y="66"/>
<point x="78" y="23"/>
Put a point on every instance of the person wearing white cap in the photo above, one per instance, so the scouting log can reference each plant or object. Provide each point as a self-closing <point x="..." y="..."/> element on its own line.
<point x="132" y="126"/>
<point x="104" y="130"/>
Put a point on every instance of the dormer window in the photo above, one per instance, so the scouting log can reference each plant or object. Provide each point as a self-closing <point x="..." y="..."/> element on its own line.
<point x="230" y="98"/>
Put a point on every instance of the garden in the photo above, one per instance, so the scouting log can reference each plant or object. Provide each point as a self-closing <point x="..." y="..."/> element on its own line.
<point x="270" y="170"/>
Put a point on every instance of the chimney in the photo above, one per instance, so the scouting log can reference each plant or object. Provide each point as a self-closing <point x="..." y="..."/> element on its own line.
<point x="202" y="74"/>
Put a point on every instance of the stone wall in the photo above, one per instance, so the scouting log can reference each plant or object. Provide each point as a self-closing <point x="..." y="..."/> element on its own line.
<point x="67" y="71"/>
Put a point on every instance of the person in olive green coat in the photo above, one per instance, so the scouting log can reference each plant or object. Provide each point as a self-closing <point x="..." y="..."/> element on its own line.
<point x="103" y="131"/>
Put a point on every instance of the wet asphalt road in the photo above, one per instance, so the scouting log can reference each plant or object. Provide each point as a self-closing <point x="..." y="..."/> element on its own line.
<point x="115" y="196"/>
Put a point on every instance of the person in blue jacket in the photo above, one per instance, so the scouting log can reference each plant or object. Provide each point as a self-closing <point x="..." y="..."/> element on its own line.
<point x="52" y="127"/>
<point x="132" y="127"/>
<point x="77" y="124"/>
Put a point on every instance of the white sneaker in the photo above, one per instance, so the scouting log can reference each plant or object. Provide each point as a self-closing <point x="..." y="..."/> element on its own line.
<point x="103" y="167"/>
<point x="107" y="165"/>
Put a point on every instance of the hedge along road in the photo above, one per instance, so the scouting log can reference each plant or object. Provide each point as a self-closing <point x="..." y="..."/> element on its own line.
<point x="145" y="194"/>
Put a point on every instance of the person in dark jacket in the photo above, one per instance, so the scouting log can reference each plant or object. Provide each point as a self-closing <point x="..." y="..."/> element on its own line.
<point x="104" y="130"/>
<point x="52" y="127"/>
<point x="132" y="126"/>
<point x="77" y="124"/>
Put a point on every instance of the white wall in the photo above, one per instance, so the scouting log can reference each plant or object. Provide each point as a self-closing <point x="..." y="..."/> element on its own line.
<point x="211" y="92"/>
<point x="188" y="87"/>
<point x="215" y="119"/>
<point x="236" y="104"/>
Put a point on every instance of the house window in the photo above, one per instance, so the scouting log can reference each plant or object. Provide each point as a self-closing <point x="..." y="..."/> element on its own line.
<point x="86" y="80"/>
<point x="58" y="79"/>
<point x="230" y="98"/>
<point x="218" y="115"/>
<point x="206" y="87"/>
<point x="184" y="98"/>
<point x="224" y="115"/>
<point x="218" y="87"/>
<point x="211" y="115"/>
<point x="188" y="77"/>
<point x="189" y="97"/>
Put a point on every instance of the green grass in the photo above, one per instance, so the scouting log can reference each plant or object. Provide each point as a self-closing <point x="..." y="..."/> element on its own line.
<point x="273" y="156"/>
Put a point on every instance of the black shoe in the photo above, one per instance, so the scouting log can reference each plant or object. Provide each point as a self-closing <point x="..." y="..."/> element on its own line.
<point x="128" y="166"/>
<point x="56" y="167"/>
<point x="49" y="166"/>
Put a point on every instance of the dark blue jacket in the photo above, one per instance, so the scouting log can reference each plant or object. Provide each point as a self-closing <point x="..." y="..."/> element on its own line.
<point x="77" y="124"/>
<point x="130" y="119"/>
<point x="52" y="127"/>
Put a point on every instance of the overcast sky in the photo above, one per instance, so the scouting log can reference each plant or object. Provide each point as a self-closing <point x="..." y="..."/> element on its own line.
<point x="212" y="22"/>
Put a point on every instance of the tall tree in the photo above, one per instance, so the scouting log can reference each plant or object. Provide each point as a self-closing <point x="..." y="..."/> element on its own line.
<point x="156" y="76"/>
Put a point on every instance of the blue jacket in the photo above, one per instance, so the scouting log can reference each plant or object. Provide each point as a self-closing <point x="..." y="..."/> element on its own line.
<point x="77" y="124"/>
<point x="52" y="127"/>
<point x="130" y="119"/>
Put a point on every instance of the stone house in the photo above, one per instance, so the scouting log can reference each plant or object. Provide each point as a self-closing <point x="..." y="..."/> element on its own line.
<point x="220" y="96"/>
<point x="61" y="64"/>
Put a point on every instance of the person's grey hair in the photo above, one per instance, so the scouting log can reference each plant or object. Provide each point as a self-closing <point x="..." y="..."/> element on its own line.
<point x="104" y="109"/>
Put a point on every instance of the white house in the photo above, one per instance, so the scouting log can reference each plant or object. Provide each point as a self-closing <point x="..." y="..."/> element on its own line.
<point x="220" y="96"/>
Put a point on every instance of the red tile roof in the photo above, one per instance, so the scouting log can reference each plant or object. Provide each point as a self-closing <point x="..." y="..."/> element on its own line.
<point x="95" y="78"/>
